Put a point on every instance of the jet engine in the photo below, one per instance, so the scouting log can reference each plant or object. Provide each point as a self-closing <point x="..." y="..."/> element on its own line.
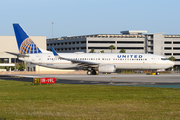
<point x="107" y="68"/>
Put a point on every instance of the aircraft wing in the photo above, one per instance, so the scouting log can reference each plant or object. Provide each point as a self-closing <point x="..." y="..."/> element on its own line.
<point x="18" y="55"/>
<point x="79" y="62"/>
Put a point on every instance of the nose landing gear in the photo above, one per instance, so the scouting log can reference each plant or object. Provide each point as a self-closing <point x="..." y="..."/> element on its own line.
<point x="157" y="73"/>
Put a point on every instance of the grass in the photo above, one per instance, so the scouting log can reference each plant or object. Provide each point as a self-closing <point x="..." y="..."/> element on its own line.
<point x="21" y="100"/>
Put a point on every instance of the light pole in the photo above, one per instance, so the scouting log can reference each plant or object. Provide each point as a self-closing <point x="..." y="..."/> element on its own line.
<point x="52" y="29"/>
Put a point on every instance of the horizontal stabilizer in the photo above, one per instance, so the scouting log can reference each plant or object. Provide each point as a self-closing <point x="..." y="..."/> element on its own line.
<point x="18" y="55"/>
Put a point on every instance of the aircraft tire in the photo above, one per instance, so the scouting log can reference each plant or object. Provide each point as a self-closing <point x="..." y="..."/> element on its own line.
<point x="89" y="72"/>
<point x="93" y="72"/>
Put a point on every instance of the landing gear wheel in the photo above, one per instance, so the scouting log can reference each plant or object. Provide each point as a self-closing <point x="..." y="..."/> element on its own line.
<point x="93" y="72"/>
<point x="157" y="73"/>
<point x="88" y="72"/>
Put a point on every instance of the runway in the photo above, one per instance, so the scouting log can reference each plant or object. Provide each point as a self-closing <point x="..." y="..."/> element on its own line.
<point x="109" y="79"/>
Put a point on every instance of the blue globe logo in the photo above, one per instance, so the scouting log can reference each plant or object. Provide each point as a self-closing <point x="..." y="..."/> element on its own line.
<point x="29" y="47"/>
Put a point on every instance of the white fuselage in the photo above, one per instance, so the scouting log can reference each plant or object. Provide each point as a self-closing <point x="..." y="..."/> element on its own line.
<point x="120" y="60"/>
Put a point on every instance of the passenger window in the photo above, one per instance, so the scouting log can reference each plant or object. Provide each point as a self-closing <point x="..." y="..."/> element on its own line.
<point x="164" y="59"/>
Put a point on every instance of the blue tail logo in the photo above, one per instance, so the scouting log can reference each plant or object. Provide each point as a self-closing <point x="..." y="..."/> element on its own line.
<point x="25" y="44"/>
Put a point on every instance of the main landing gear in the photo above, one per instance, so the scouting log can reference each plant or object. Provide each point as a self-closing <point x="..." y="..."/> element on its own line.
<point x="91" y="72"/>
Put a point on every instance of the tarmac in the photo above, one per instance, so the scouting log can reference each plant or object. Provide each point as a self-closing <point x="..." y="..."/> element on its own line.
<point x="162" y="80"/>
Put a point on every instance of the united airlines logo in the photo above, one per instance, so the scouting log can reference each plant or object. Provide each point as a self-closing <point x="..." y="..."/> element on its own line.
<point x="29" y="47"/>
<point x="129" y="56"/>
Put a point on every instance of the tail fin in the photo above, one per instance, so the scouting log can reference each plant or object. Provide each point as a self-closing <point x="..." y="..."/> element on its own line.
<point x="25" y="44"/>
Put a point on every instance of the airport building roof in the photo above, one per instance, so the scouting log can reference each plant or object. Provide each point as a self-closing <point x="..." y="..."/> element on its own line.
<point x="125" y="34"/>
<point x="133" y="32"/>
<point x="99" y="36"/>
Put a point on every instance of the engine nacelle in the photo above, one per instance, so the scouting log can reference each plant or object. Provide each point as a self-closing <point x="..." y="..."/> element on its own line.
<point x="108" y="68"/>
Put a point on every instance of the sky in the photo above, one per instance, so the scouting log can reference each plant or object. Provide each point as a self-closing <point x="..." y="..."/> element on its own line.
<point x="86" y="17"/>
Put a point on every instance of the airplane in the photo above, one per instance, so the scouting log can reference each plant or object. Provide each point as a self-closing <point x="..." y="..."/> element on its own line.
<point x="90" y="62"/>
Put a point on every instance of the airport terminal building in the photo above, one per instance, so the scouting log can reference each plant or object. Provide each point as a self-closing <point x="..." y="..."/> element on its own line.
<point x="131" y="41"/>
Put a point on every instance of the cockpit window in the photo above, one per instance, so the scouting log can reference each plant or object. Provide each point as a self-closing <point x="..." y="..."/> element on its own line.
<point x="164" y="59"/>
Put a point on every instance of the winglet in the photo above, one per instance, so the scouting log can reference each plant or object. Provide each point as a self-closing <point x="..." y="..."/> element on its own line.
<point x="54" y="52"/>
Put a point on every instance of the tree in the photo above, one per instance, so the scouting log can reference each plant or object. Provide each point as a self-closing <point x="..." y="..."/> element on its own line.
<point x="102" y="51"/>
<point x="122" y="51"/>
<point x="7" y="68"/>
<point x="92" y="50"/>
<point x="1" y="60"/>
<point x="12" y="68"/>
<point x="20" y="66"/>
<point x="111" y="47"/>
<point x="1" y="67"/>
<point x="17" y="66"/>
<point x="172" y="58"/>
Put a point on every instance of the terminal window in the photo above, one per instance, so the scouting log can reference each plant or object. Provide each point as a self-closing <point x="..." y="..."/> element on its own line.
<point x="167" y="42"/>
